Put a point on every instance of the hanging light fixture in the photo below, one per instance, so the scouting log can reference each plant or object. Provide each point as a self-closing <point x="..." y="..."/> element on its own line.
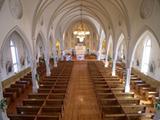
<point x="81" y="32"/>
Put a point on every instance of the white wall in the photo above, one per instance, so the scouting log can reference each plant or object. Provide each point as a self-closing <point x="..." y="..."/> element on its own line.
<point x="154" y="58"/>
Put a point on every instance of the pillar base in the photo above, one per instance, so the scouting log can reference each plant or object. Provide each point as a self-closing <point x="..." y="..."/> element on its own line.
<point x="113" y="73"/>
<point x="127" y="82"/>
<point x="3" y="115"/>
<point x="48" y="73"/>
<point x="55" y="64"/>
<point x="34" y="89"/>
<point x="35" y="86"/>
<point x="127" y="89"/>
<point x="106" y="64"/>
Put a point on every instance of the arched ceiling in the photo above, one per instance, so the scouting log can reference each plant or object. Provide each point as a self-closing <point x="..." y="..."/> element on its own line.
<point x="59" y="15"/>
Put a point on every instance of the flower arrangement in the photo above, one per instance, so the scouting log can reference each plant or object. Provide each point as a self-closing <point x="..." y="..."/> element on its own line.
<point x="3" y="104"/>
<point x="157" y="105"/>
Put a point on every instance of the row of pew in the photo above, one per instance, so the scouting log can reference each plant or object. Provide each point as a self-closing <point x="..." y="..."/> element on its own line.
<point x="14" y="90"/>
<point x="145" y="90"/>
<point x="49" y="102"/>
<point x="114" y="103"/>
<point x="17" y="88"/>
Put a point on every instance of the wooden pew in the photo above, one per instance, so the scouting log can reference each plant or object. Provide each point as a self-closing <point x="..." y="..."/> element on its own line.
<point x="20" y="86"/>
<point x="28" y="110"/>
<point x="43" y="90"/>
<point x="11" y="95"/>
<point x="37" y="96"/>
<point x="54" y="102"/>
<point x="115" y="117"/>
<point x="33" y="102"/>
<point x="21" y="117"/>
<point x="134" y="109"/>
<point x="26" y="83"/>
<point x="47" y="117"/>
<point x="17" y="90"/>
<point x="51" y="111"/>
<point x="56" y="96"/>
<point x="104" y="95"/>
<point x="44" y="86"/>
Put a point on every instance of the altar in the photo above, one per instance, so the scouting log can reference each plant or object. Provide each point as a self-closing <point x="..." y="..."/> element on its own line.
<point x="80" y="51"/>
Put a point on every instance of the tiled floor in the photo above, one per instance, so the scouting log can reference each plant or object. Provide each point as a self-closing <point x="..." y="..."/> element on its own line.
<point x="81" y="102"/>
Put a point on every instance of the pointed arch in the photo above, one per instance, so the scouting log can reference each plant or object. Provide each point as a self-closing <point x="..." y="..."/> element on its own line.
<point x="24" y="38"/>
<point x="142" y="36"/>
<point x="120" y="40"/>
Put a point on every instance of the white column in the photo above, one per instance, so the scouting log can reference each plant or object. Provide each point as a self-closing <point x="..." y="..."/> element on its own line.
<point x="99" y="55"/>
<point x="99" y="47"/>
<point x="35" y="85"/>
<point x="107" y="52"/>
<point x="128" y="79"/>
<point x="114" y="68"/>
<point x="48" y="72"/>
<point x="3" y="114"/>
<point x="54" y="53"/>
<point x="106" y="62"/>
<point x="114" y="64"/>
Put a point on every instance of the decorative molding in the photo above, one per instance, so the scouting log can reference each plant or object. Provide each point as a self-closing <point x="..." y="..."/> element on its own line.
<point x="16" y="8"/>
<point x="146" y="8"/>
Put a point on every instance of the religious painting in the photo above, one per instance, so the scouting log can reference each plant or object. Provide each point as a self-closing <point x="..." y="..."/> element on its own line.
<point x="152" y="67"/>
<point x="137" y="62"/>
<point x="22" y="61"/>
<point x="9" y="67"/>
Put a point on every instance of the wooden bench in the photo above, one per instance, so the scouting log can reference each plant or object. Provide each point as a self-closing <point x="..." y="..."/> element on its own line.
<point x="56" y="96"/>
<point x="11" y="95"/>
<point x="140" y="85"/>
<point x="47" y="117"/>
<point x="41" y="86"/>
<point x="122" y="101"/>
<point x="43" y="90"/>
<point x="37" y="95"/>
<point x="51" y="111"/>
<point x="33" y="102"/>
<point x="53" y="102"/>
<point x="112" y="109"/>
<point x="131" y="109"/>
<point x="115" y="116"/>
<point x="20" y="86"/>
<point x="28" y="110"/>
<point x="106" y="95"/>
<point x="21" y="117"/>
<point x="17" y="90"/>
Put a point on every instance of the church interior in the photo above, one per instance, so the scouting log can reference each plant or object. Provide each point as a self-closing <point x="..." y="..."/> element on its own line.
<point x="79" y="59"/>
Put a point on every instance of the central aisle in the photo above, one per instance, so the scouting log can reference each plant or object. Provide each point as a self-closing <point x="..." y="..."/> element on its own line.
<point x="81" y="102"/>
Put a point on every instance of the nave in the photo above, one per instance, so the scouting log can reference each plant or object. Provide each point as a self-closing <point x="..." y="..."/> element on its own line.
<point x="80" y="91"/>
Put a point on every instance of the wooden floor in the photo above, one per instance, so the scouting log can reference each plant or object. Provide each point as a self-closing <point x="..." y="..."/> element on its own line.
<point x="81" y="102"/>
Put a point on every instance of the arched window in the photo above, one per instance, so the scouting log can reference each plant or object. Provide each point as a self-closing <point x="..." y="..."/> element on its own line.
<point x="122" y="52"/>
<point x="146" y="55"/>
<point x="14" y="56"/>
